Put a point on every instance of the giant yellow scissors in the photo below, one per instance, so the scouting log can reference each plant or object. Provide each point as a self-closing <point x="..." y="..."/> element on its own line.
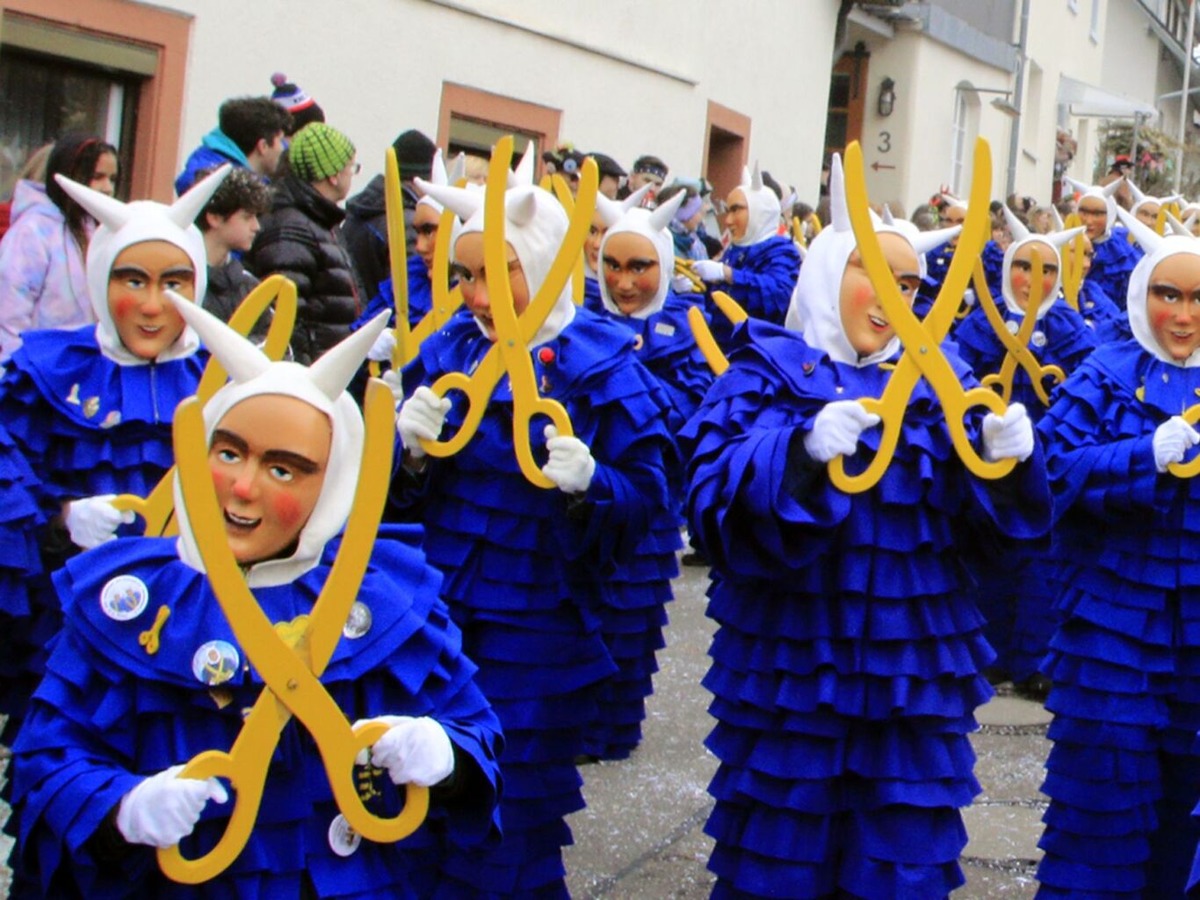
<point x="158" y="509"/>
<point x="1072" y="263"/>
<point x="1017" y="346"/>
<point x="289" y="668"/>
<point x="921" y="339"/>
<point x="510" y="354"/>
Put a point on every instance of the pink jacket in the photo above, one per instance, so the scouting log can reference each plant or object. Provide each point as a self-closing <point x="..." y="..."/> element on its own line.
<point x="42" y="281"/>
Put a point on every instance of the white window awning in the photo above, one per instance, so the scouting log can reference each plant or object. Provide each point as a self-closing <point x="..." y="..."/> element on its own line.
<point x="1089" y="101"/>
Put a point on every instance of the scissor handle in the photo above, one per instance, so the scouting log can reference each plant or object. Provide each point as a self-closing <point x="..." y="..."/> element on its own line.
<point x="478" y="390"/>
<point x="246" y="767"/>
<point x="157" y="509"/>
<point x="1191" y="415"/>
<point x="525" y="412"/>
<point x="890" y="423"/>
<point x="956" y="408"/>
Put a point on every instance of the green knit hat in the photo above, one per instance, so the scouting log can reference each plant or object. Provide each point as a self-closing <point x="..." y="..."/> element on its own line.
<point x="318" y="151"/>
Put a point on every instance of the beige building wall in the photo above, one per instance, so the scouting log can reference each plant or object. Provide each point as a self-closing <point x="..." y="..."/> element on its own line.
<point x="628" y="79"/>
<point x="919" y="134"/>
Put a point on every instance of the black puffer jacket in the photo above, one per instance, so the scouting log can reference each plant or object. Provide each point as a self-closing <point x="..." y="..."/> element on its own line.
<point x="300" y="239"/>
<point x="228" y="285"/>
<point x="365" y="232"/>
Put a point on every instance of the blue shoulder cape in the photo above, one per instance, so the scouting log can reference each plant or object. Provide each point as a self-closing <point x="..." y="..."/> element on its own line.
<point x="1112" y="264"/>
<point x="87" y="424"/>
<point x="764" y="276"/>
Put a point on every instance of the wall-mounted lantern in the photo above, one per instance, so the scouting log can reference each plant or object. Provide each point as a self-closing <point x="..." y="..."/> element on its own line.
<point x="887" y="97"/>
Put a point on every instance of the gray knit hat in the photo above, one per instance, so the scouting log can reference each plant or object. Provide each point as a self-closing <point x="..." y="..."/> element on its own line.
<point x="318" y="151"/>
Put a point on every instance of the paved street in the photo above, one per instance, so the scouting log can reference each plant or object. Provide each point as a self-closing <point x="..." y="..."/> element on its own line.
<point x="642" y="833"/>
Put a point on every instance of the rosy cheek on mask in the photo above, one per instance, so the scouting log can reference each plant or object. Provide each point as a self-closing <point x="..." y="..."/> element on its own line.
<point x="864" y="297"/>
<point x="221" y="481"/>
<point x="124" y="307"/>
<point x="1161" y="318"/>
<point x="287" y="511"/>
<point x="1020" y="281"/>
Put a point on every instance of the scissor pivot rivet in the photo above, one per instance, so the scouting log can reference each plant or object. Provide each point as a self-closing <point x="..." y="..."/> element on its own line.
<point x="924" y="349"/>
<point x="292" y="684"/>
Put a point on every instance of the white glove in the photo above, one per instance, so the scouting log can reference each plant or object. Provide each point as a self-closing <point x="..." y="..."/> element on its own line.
<point x="836" y="430"/>
<point x="92" y="521"/>
<point x="392" y="379"/>
<point x="421" y="416"/>
<point x="1009" y="436"/>
<point x="381" y="350"/>
<point x="414" y="751"/>
<point x="1171" y="441"/>
<point x="969" y="298"/>
<point x="571" y="465"/>
<point x="709" y="269"/>
<point x="163" y="810"/>
<point x="681" y="284"/>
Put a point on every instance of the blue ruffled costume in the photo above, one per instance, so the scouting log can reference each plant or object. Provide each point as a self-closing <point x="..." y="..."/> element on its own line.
<point x="109" y="713"/>
<point x="1112" y="265"/>
<point x="1104" y="317"/>
<point x="420" y="296"/>
<point x="1012" y="589"/>
<point x="633" y="614"/>
<point x="22" y="651"/>
<point x="764" y="276"/>
<point x="87" y="426"/>
<point x="1125" y="661"/>
<point x="845" y="668"/>
<point x="523" y="567"/>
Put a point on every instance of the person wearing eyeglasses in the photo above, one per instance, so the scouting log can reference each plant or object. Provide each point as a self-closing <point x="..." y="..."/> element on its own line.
<point x="301" y="238"/>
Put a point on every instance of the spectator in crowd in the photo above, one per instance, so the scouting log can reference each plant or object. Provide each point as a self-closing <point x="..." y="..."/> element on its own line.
<point x="42" y="280"/>
<point x="365" y="230"/>
<point x="646" y="170"/>
<point x="301" y="238"/>
<point x="250" y="134"/>
<point x="612" y="176"/>
<point x="229" y="223"/>
<point x="302" y="108"/>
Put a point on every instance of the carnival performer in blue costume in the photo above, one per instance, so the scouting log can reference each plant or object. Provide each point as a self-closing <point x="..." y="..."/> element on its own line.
<point x="1104" y="317"/>
<point x="1125" y="662"/>
<point x="846" y="662"/>
<point x="1013" y="592"/>
<point x="98" y="768"/>
<point x="523" y="564"/>
<point x="760" y="266"/>
<point x="637" y="259"/>
<point x="91" y="408"/>
<point x="1114" y="257"/>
